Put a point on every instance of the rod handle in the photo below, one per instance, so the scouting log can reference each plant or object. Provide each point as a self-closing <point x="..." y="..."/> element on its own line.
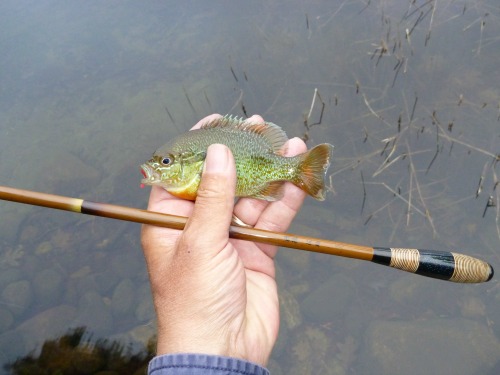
<point x="444" y="265"/>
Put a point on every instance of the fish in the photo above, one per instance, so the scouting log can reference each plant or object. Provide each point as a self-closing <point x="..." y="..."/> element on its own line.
<point x="258" y="150"/>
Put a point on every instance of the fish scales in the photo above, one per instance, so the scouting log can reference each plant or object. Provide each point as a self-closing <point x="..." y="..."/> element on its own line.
<point x="256" y="163"/>
<point x="258" y="152"/>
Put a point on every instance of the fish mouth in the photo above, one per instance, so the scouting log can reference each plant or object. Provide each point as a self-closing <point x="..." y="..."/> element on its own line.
<point x="150" y="176"/>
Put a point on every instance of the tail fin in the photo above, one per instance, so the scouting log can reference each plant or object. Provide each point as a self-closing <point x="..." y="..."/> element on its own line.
<point x="312" y="170"/>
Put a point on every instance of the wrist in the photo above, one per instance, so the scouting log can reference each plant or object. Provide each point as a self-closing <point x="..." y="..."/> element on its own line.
<point x="185" y="344"/>
<point x="192" y="338"/>
<point x="197" y="341"/>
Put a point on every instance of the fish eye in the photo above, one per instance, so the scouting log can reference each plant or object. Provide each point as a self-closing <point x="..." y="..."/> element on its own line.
<point x="166" y="161"/>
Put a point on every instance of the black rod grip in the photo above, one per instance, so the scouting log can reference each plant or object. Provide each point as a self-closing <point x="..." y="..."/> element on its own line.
<point x="444" y="265"/>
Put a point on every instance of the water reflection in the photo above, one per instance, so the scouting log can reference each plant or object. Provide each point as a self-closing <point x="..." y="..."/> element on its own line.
<point x="74" y="353"/>
<point x="89" y="90"/>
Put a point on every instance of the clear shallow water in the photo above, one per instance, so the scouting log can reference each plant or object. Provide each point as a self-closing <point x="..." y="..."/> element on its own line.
<point x="90" y="90"/>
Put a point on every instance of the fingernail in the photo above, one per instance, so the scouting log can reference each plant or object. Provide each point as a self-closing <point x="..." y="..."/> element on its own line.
<point x="217" y="159"/>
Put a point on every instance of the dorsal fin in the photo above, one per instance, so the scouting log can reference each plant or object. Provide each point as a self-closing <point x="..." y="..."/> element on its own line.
<point x="272" y="133"/>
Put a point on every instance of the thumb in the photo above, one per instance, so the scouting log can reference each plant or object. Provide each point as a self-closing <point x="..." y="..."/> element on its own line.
<point x="208" y="226"/>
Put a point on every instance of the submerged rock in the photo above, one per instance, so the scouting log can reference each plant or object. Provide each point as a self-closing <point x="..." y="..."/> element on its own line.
<point x="12" y="217"/>
<point x="435" y="346"/>
<point x="17" y="296"/>
<point x="9" y="276"/>
<point x="12" y="345"/>
<point x="48" y="323"/>
<point x="44" y="248"/>
<point x="145" y="310"/>
<point x="290" y="309"/>
<point x="73" y="175"/>
<point x="94" y="314"/>
<point x="6" y="319"/>
<point x="295" y="261"/>
<point x="123" y="299"/>
<point x="311" y="353"/>
<point x="48" y="286"/>
<point x="330" y="301"/>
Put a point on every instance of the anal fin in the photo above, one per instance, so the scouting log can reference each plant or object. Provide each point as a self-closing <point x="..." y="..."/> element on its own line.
<point x="272" y="191"/>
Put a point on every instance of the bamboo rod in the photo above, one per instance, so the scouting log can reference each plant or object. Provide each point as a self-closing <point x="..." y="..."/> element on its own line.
<point x="442" y="265"/>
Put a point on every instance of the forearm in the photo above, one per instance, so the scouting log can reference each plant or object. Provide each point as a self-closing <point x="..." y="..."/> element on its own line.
<point x="202" y="364"/>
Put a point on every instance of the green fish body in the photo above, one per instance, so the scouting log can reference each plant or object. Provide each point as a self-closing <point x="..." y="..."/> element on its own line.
<point x="258" y="151"/>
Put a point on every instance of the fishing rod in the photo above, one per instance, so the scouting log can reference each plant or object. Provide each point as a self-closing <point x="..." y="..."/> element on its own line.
<point x="442" y="265"/>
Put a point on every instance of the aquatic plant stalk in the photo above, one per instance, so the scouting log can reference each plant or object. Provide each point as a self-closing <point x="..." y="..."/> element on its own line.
<point x="443" y="265"/>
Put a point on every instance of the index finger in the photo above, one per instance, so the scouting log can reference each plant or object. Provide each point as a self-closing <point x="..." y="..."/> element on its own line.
<point x="162" y="201"/>
<point x="205" y="120"/>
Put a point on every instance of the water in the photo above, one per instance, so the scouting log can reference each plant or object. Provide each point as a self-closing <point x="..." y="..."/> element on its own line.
<point x="89" y="90"/>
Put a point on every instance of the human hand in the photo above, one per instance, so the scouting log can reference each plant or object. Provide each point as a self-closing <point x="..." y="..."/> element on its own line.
<point x="212" y="294"/>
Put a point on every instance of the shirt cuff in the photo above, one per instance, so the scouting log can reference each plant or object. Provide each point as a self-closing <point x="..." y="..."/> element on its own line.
<point x="202" y="364"/>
